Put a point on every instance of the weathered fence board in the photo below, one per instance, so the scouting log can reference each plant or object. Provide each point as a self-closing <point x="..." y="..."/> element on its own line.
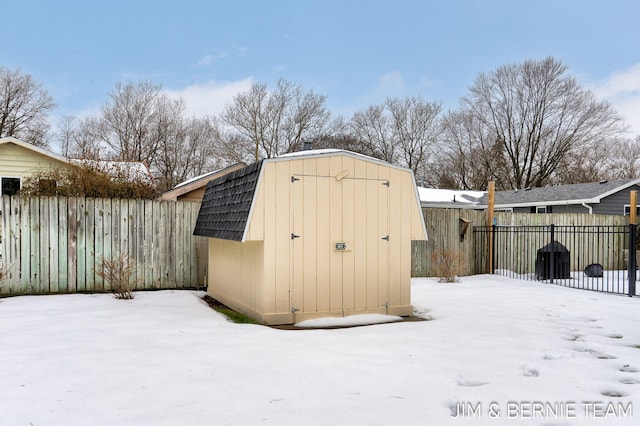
<point x="443" y="229"/>
<point x="56" y="245"/>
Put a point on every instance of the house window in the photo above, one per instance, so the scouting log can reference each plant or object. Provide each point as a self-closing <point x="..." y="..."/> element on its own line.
<point x="627" y="210"/>
<point x="542" y="209"/>
<point x="9" y="186"/>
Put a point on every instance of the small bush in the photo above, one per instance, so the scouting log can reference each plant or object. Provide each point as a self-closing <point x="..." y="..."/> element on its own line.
<point x="117" y="271"/>
<point x="448" y="264"/>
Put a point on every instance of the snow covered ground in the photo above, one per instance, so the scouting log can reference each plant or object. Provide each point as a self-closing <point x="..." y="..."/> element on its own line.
<point x="496" y="351"/>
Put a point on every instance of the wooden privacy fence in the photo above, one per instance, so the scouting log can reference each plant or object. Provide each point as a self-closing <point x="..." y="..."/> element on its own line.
<point x="56" y="244"/>
<point x="448" y="229"/>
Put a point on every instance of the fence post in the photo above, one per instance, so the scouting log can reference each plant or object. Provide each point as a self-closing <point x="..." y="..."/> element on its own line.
<point x="493" y="248"/>
<point x="552" y="260"/>
<point x="632" y="259"/>
<point x="490" y="204"/>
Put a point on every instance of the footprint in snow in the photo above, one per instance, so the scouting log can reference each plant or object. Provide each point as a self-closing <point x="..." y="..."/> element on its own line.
<point x="575" y="337"/>
<point x="529" y="372"/>
<point x="461" y="381"/>
<point x="614" y="394"/>
<point x="615" y="336"/>
<point x="629" y="381"/>
<point x="550" y="356"/>
<point x="628" y="369"/>
<point x="596" y="353"/>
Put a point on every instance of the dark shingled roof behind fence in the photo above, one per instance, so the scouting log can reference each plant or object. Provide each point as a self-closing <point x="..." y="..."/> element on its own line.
<point x="561" y="193"/>
<point x="225" y="207"/>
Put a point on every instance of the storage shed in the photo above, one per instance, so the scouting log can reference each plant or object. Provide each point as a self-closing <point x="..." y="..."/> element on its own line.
<point x="312" y="234"/>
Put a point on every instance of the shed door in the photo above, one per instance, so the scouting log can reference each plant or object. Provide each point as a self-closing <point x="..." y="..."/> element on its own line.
<point x="340" y="244"/>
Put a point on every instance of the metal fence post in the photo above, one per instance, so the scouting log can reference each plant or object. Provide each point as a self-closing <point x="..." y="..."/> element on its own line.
<point x="493" y="248"/>
<point x="552" y="260"/>
<point x="632" y="259"/>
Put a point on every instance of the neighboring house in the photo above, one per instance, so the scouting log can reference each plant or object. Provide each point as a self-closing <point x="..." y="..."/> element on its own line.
<point x="312" y="234"/>
<point x="20" y="160"/>
<point x="193" y="189"/>
<point x="449" y="198"/>
<point x="604" y="197"/>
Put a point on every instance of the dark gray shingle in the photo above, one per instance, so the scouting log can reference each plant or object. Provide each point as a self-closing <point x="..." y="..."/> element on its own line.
<point x="576" y="192"/>
<point x="227" y="200"/>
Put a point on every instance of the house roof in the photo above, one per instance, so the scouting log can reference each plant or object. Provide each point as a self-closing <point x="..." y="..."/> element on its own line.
<point x="198" y="182"/>
<point x="26" y="145"/>
<point x="227" y="203"/>
<point x="434" y="197"/>
<point x="587" y="193"/>
<point x="130" y="169"/>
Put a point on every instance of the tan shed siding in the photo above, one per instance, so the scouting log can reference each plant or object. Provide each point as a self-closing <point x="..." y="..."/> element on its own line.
<point x="372" y="235"/>
<point x="16" y="161"/>
<point x="418" y="227"/>
<point x="310" y="246"/>
<point x="349" y="302"/>
<point x="236" y="275"/>
<point x="398" y="239"/>
<point x="272" y="214"/>
<point x="338" y="198"/>
<point x="412" y="227"/>
<point x="282" y="239"/>
<point x="296" y="250"/>
<point x="323" y="237"/>
<point x="384" y="276"/>
<point x="335" y="233"/>
<point x="195" y="195"/>
<point x="359" y="236"/>
<point x="256" y="221"/>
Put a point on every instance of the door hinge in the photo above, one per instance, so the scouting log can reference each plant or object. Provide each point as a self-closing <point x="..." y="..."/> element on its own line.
<point x="294" y="310"/>
<point x="293" y="179"/>
<point x="293" y="236"/>
<point x="385" y="183"/>
<point x="386" y="238"/>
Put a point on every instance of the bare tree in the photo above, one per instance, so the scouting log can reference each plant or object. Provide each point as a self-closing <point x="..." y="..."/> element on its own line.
<point x="64" y="133"/>
<point x="402" y="131"/>
<point x="416" y="129"/>
<point x="538" y="116"/>
<point x="24" y="107"/>
<point x="81" y="138"/>
<point x="270" y="123"/>
<point x="131" y="121"/>
<point x="373" y="126"/>
<point x="470" y="157"/>
<point x="624" y="159"/>
<point x="188" y="152"/>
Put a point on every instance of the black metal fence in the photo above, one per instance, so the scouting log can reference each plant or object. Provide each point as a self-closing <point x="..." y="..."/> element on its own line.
<point x="599" y="258"/>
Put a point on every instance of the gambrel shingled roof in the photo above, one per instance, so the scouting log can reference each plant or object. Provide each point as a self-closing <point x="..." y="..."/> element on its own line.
<point x="226" y="204"/>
